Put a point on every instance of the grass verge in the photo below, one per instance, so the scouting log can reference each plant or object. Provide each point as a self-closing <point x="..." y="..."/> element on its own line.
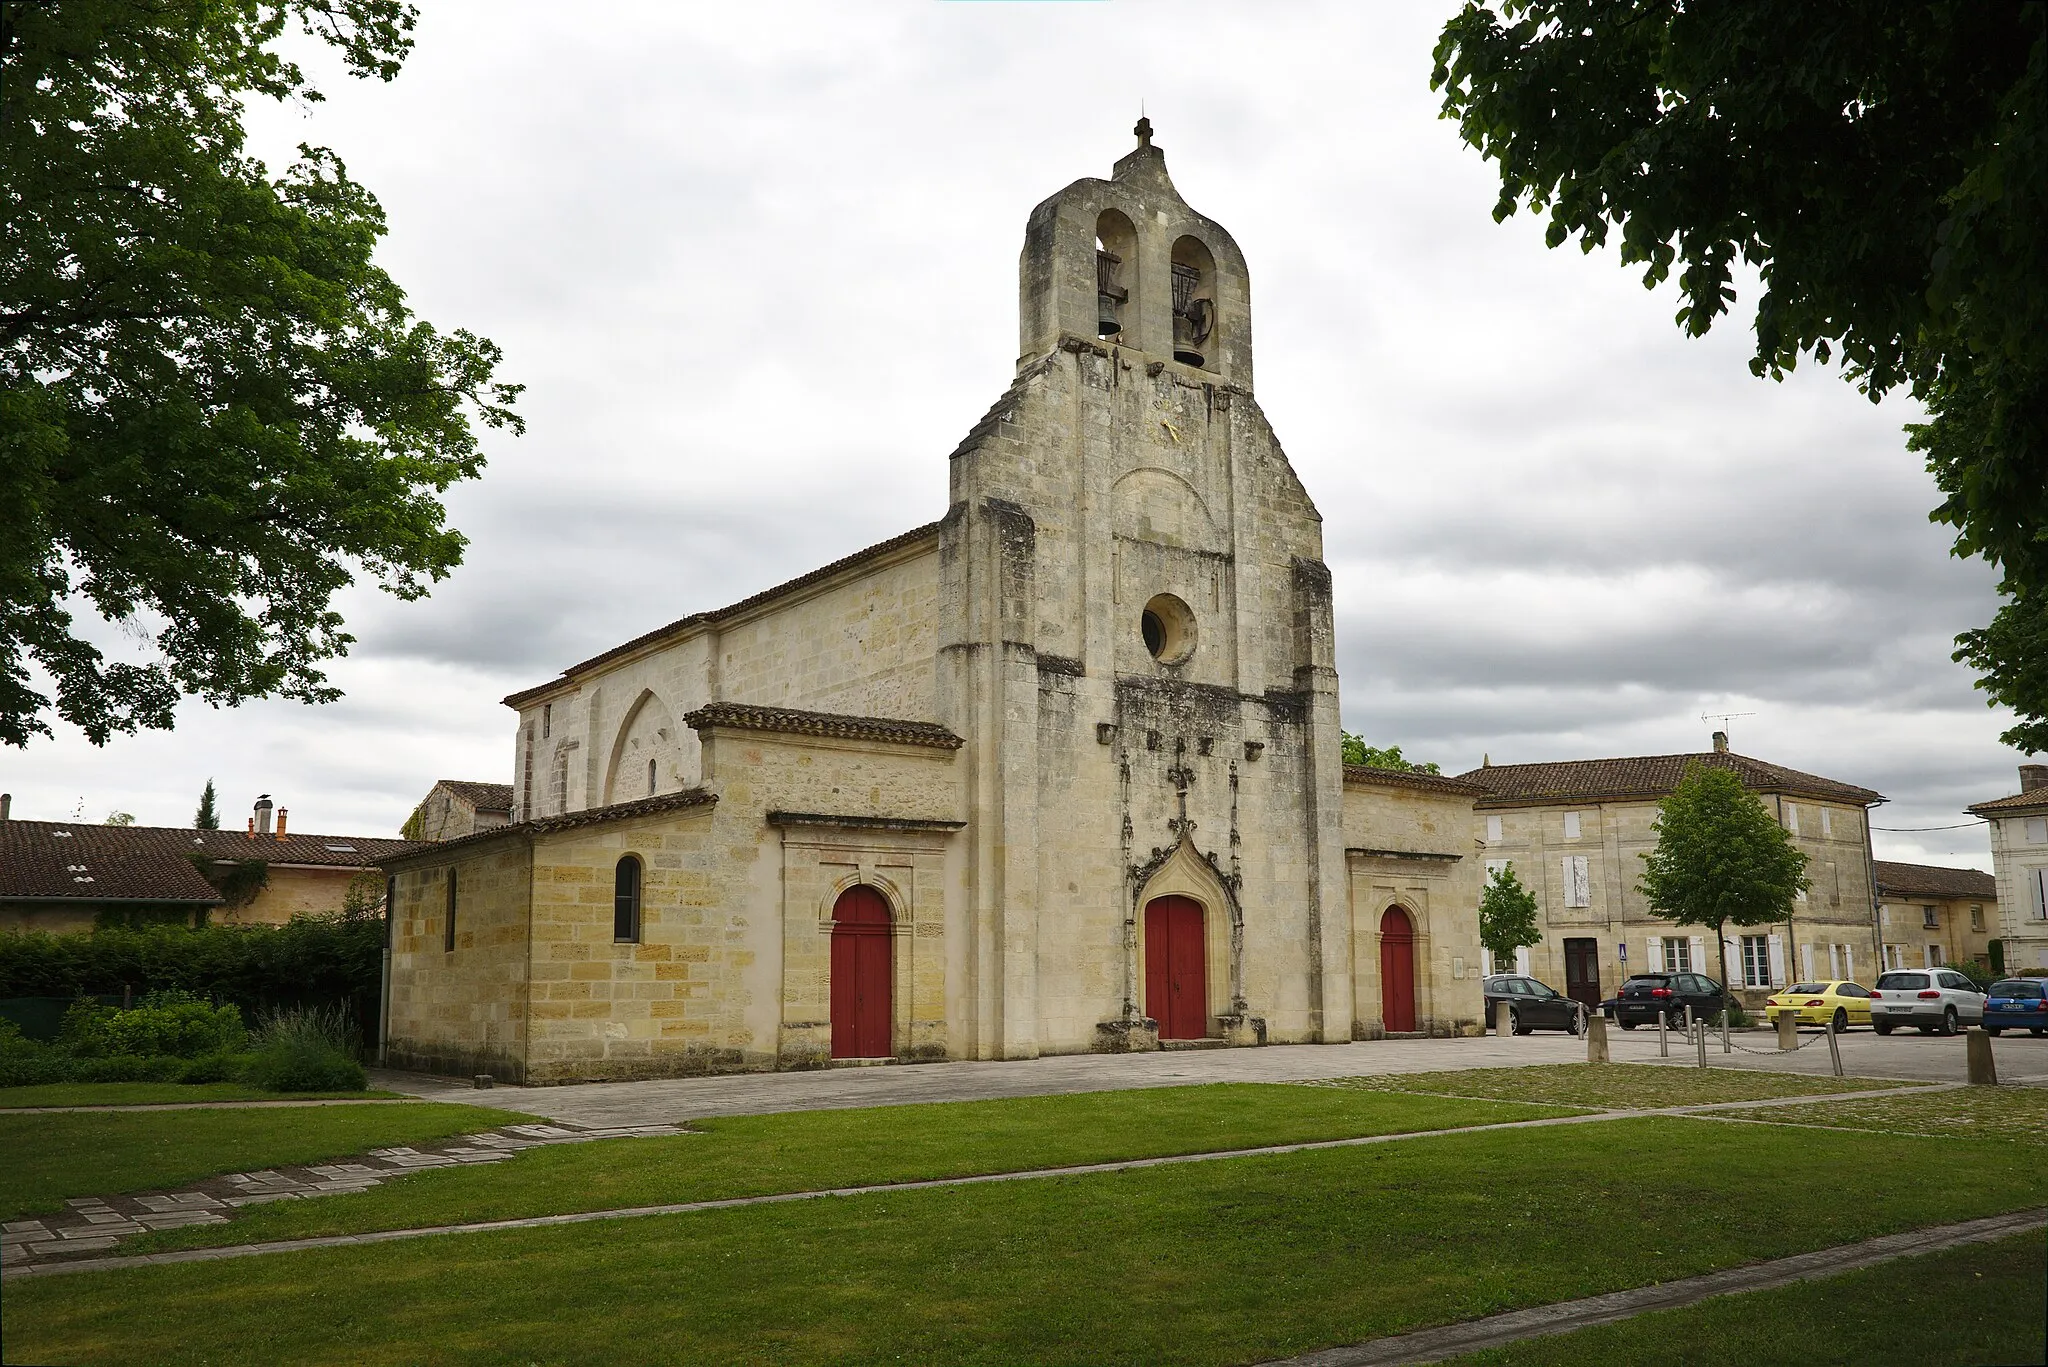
<point x="164" y="1093"/>
<point x="1980" y="1303"/>
<point x="1210" y="1263"/>
<point x="819" y="1150"/>
<point x="62" y="1154"/>
<point x="2016" y="1114"/>
<point x="1620" y="1086"/>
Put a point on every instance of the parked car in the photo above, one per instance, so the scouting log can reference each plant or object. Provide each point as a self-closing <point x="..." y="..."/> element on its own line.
<point x="1841" y="1003"/>
<point x="1928" y="998"/>
<point x="1646" y="996"/>
<point x="1532" y="1005"/>
<point x="2017" y="1004"/>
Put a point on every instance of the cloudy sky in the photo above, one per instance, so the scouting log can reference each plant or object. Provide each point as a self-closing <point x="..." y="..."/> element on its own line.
<point x="757" y="266"/>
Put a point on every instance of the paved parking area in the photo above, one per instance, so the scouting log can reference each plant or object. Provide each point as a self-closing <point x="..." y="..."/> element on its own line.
<point x="2022" y="1060"/>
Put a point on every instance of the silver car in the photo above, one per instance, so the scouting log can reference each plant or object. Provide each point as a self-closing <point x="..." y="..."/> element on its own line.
<point x="1929" y="998"/>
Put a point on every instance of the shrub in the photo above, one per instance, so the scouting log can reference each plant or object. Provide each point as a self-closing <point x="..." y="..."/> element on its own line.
<point x="172" y="1022"/>
<point x="303" y="1066"/>
<point x="221" y="1067"/>
<point x="127" y="1068"/>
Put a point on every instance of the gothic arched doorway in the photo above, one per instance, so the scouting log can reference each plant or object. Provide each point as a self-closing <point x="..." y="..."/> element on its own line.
<point x="1397" y="971"/>
<point x="860" y="974"/>
<point x="1176" y="968"/>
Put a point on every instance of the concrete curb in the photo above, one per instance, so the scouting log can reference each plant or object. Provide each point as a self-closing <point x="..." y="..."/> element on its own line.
<point x="1434" y="1345"/>
<point x="218" y="1105"/>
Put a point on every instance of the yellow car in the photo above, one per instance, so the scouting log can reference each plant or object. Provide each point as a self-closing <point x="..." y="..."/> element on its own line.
<point x="1844" y="1003"/>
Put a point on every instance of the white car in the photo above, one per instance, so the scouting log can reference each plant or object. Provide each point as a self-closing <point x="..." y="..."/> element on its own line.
<point x="1930" y="998"/>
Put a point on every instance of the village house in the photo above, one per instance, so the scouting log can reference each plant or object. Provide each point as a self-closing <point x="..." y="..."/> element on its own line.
<point x="1931" y="915"/>
<point x="2019" y="861"/>
<point x="69" y="876"/>
<point x="1059" y="771"/>
<point x="454" y="808"/>
<point x="1575" y="833"/>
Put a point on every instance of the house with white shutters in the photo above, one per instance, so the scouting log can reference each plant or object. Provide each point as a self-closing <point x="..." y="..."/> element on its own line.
<point x="2019" y="860"/>
<point x="1574" y="831"/>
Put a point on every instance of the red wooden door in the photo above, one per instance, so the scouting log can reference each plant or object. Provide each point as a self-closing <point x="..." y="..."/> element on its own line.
<point x="1176" y="968"/>
<point x="860" y="975"/>
<point x="1397" y="970"/>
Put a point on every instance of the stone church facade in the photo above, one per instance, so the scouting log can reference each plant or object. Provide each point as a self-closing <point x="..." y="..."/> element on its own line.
<point x="1058" y="772"/>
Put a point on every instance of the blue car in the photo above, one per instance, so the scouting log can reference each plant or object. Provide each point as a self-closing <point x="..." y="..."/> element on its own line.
<point x="2017" y="1004"/>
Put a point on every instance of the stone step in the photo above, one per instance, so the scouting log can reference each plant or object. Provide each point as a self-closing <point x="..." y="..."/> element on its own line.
<point x="1194" y="1044"/>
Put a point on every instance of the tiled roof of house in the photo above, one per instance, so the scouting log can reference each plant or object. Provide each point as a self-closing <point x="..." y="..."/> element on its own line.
<point x="717" y="615"/>
<point x="589" y="816"/>
<point x="1410" y="778"/>
<point x="43" y="860"/>
<point x="1933" y="880"/>
<point x="746" y="717"/>
<point x="1645" y="776"/>
<point x="2036" y="801"/>
<point x="485" y="797"/>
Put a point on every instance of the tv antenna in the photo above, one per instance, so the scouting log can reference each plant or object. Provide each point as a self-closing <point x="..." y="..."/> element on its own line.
<point x="1722" y="717"/>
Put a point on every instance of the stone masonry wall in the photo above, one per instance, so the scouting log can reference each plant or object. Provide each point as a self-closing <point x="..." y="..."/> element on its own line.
<point x="462" y="1010"/>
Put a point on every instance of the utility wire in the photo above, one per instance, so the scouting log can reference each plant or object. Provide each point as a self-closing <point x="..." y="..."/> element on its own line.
<point x="1905" y="830"/>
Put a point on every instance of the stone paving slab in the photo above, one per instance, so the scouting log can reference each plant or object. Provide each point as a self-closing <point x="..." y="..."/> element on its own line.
<point x="93" y="1224"/>
<point x="1913" y="1058"/>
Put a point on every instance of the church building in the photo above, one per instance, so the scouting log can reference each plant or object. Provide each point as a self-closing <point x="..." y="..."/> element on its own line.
<point x="1058" y="772"/>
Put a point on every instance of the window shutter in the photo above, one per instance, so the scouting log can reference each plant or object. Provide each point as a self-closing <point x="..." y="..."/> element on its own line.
<point x="1849" y="961"/>
<point x="1571" y="825"/>
<point x="1827" y="822"/>
<point x="2037" y="830"/>
<point x="1699" y="955"/>
<point x="1485" y="963"/>
<point x="1806" y="961"/>
<point x="1777" y="953"/>
<point x="2040" y="891"/>
<point x="1792" y="817"/>
<point x="1656" y="954"/>
<point x="1493" y="830"/>
<point x="1522" y="960"/>
<point x="1834" y="961"/>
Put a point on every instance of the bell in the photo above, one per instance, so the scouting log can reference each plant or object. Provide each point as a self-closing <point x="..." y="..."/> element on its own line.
<point x="1184" y="341"/>
<point x="1106" y="324"/>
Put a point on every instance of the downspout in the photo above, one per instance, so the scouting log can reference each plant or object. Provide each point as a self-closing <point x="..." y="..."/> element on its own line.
<point x="384" y="976"/>
<point x="1870" y="874"/>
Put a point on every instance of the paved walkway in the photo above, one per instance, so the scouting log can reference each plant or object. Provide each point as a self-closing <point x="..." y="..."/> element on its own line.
<point x="35" y="1254"/>
<point x="1915" y="1058"/>
<point x="94" y="1223"/>
<point x="1434" y="1345"/>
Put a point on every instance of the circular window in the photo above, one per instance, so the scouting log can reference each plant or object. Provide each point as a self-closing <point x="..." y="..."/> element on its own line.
<point x="1168" y="628"/>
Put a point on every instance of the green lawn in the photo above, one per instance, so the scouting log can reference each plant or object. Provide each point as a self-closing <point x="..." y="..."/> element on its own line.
<point x="162" y="1093"/>
<point x="1620" y="1086"/>
<point x="61" y="1154"/>
<point x="820" y="1150"/>
<point x="1980" y="1303"/>
<point x="2017" y="1114"/>
<point x="1229" y="1261"/>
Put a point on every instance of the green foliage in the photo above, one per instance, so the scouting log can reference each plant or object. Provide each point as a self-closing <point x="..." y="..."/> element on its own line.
<point x="1721" y="858"/>
<point x="1880" y="164"/>
<point x="207" y="818"/>
<point x="415" y="825"/>
<point x="237" y="880"/>
<point x="215" y="409"/>
<point x="306" y="1049"/>
<point x="120" y="819"/>
<point x="1977" y="971"/>
<point x="169" y="1022"/>
<point x="1507" y="917"/>
<point x="1357" y="752"/>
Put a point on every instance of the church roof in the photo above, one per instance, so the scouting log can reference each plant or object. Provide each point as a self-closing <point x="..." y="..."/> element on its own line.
<point x="1412" y="778"/>
<point x="718" y="615"/>
<point x="746" y="717"/>
<point x="589" y="816"/>
<point x="1933" y="880"/>
<point x="485" y="797"/>
<point x="1647" y="777"/>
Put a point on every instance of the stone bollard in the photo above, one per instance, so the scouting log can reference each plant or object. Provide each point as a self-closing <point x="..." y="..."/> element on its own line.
<point x="1502" y="1019"/>
<point x="1983" y="1067"/>
<point x="482" y="1080"/>
<point x="1596" y="1040"/>
<point x="1788" y="1032"/>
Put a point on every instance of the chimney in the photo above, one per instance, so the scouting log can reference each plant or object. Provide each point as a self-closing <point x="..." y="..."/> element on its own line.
<point x="6" y="805"/>
<point x="252" y="828"/>
<point x="263" y="805"/>
<point x="2033" y="778"/>
<point x="282" y="813"/>
<point x="1720" y="742"/>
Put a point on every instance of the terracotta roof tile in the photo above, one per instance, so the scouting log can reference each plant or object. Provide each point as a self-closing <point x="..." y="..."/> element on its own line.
<point x="717" y="615"/>
<point x="1933" y="880"/>
<point x="485" y="797"/>
<point x="747" y="717"/>
<point x="1646" y="776"/>
<point x="589" y="816"/>
<point x="41" y="860"/>
<point x="2036" y="801"/>
<point x="1409" y="778"/>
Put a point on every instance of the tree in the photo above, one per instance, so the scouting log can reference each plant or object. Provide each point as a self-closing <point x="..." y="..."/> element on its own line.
<point x="1721" y="859"/>
<point x="207" y="818"/>
<point x="1883" y="165"/>
<point x="1357" y="752"/>
<point x="215" y="410"/>
<point x="120" y="819"/>
<point x="1507" y="916"/>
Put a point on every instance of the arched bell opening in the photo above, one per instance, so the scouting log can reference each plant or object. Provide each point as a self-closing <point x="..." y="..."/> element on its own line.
<point x="1116" y="270"/>
<point x="1194" y="301"/>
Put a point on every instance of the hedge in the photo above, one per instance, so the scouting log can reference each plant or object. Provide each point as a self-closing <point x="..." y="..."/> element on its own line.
<point x="310" y="961"/>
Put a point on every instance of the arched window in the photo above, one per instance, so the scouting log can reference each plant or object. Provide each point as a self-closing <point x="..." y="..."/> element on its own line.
<point x="650" y="778"/>
<point x="626" y="901"/>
